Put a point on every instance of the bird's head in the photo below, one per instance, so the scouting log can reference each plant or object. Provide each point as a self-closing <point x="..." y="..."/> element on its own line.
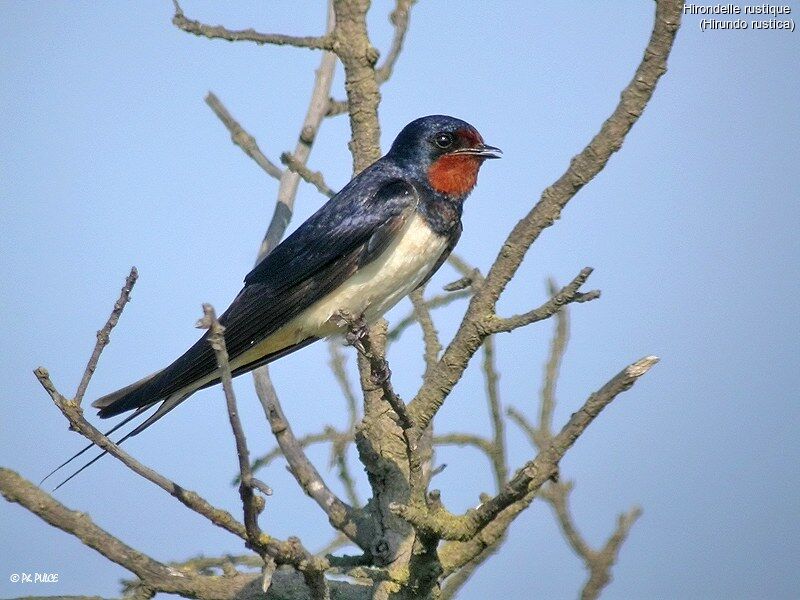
<point x="445" y="153"/>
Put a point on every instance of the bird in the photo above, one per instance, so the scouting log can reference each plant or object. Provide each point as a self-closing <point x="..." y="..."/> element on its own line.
<point x="370" y="245"/>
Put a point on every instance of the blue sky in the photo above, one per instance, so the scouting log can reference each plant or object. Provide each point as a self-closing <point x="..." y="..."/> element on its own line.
<point x="111" y="158"/>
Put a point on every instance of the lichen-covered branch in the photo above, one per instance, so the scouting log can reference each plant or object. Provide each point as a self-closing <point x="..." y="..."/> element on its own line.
<point x="534" y="474"/>
<point x="155" y="576"/>
<point x="354" y="49"/>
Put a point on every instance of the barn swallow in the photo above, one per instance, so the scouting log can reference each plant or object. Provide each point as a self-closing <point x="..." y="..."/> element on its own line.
<point x="382" y="236"/>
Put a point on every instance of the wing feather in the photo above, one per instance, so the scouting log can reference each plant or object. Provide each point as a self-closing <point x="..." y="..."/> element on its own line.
<point x="348" y="232"/>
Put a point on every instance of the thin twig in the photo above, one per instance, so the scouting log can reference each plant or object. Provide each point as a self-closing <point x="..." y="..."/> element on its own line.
<point x="568" y="294"/>
<point x="250" y="502"/>
<point x="103" y="335"/>
<point x="335" y="107"/>
<point x="329" y="434"/>
<point x="461" y="265"/>
<point x="315" y="178"/>
<point x="399" y="18"/>
<point x="430" y="336"/>
<point x="337" y="364"/>
<point x="552" y="369"/>
<point x="340" y="446"/>
<point x="190" y="499"/>
<point x="324" y="42"/>
<point x="498" y="454"/>
<point x="241" y="138"/>
<point x="465" y="439"/>
<point x="437" y="301"/>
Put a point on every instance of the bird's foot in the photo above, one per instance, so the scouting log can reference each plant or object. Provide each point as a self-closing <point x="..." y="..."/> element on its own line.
<point x="357" y="330"/>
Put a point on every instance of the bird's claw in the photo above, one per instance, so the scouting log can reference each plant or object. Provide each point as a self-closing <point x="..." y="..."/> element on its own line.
<point x="357" y="329"/>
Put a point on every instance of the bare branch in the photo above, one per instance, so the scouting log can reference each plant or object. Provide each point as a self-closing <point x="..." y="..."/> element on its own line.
<point x="342" y="516"/>
<point x="436" y="302"/>
<point x="498" y="454"/>
<point x="465" y="439"/>
<point x="399" y="19"/>
<point x="582" y="169"/>
<point x="16" y="489"/>
<point x="339" y="459"/>
<point x="324" y="42"/>
<point x="287" y="190"/>
<point x="154" y="575"/>
<point x="327" y="435"/>
<point x="551" y="370"/>
<point x="597" y="562"/>
<point x="527" y="427"/>
<point x="567" y="295"/>
<point x="336" y="107"/>
<point x="462" y="266"/>
<point x="600" y="574"/>
<point x="315" y="178"/>
<point x="430" y="336"/>
<point x="533" y="475"/>
<point x="557" y="495"/>
<point x="337" y="364"/>
<point x="190" y="499"/>
<point x="241" y="138"/>
<point x="251" y="503"/>
<point x="103" y="335"/>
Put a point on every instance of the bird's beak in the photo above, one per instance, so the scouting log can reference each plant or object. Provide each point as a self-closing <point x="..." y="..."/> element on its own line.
<point x="481" y="150"/>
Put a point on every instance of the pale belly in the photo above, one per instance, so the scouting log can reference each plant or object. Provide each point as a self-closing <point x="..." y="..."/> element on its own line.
<point x="372" y="291"/>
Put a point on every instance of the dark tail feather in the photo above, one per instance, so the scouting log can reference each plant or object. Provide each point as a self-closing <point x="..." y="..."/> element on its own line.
<point x="136" y="395"/>
<point x="90" y="446"/>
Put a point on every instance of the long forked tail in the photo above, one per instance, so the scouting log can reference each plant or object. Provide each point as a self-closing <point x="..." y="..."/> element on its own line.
<point x="139" y="397"/>
<point x="170" y="386"/>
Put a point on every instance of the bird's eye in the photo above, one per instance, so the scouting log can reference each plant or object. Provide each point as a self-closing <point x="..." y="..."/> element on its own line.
<point x="443" y="140"/>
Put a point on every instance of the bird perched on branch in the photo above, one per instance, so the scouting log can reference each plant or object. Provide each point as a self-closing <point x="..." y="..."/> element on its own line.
<point x="383" y="235"/>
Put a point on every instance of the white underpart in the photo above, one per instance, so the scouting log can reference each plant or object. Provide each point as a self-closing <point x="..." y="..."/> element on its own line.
<point x="377" y="287"/>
